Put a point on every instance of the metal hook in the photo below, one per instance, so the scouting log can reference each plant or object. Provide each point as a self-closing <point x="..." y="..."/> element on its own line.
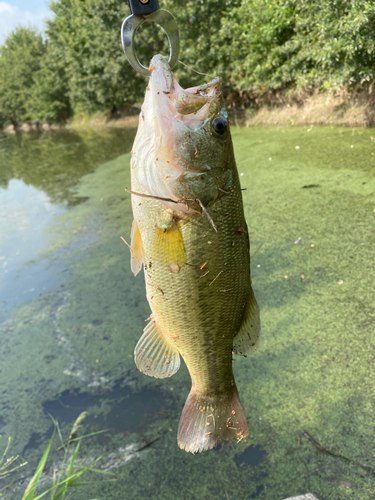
<point x="161" y="17"/>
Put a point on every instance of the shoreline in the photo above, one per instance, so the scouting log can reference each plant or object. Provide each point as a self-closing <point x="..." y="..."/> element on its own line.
<point x="83" y="122"/>
<point x="295" y="108"/>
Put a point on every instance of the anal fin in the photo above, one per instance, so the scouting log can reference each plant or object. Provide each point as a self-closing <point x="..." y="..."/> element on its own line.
<point x="247" y="339"/>
<point x="154" y="355"/>
<point x="136" y="258"/>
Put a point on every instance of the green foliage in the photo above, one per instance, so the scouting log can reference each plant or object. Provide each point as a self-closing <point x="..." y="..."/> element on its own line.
<point x="255" y="45"/>
<point x="204" y="46"/>
<point x="50" y="90"/>
<point x="29" y="493"/>
<point x="20" y="59"/>
<point x="86" y="33"/>
<point x="259" y="51"/>
<point x="6" y="467"/>
<point x="337" y="42"/>
<point x="308" y="43"/>
<point x="33" y="85"/>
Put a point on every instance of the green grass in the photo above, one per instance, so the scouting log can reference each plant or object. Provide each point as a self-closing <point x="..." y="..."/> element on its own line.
<point x="70" y="474"/>
<point x="7" y="465"/>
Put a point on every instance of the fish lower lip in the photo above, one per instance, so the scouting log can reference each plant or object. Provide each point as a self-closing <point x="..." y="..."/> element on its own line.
<point x="215" y="82"/>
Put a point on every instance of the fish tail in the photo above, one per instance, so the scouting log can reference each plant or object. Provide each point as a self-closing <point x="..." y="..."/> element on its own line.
<point x="208" y="420"/>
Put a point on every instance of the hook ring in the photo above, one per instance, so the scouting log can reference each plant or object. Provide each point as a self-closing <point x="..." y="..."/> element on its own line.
<point x="129" y="27"/>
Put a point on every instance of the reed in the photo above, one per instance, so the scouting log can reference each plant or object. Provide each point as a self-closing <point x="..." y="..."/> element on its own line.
<point x="71" y="470"/>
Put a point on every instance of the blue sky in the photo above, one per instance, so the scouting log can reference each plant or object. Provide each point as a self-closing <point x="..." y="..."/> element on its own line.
<point x="22" y="13"/>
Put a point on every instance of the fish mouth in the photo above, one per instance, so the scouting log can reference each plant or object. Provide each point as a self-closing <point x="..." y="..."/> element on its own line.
<point x="170" y="99"/>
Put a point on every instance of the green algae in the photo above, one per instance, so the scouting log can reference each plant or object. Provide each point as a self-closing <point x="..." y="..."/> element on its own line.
<point x="313" y="278"/>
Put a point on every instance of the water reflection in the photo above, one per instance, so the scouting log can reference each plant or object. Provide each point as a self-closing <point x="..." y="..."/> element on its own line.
<point x="38" y="174"/>
<point x="55" y="161"/>
<point x="25" y="212"/>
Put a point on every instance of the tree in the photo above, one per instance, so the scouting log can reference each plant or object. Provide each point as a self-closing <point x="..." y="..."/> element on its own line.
<point x="254" y="45"/>
<point x="307" y="43"/>
<point x="86" y="33"/>
<point x="50" y="92"/>
<point x="20" y="59"/>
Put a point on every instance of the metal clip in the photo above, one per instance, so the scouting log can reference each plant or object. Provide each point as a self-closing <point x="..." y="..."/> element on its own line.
<point x="149" y="11"/>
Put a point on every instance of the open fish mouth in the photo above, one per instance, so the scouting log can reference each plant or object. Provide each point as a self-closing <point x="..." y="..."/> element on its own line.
<point x="190" y="106"/>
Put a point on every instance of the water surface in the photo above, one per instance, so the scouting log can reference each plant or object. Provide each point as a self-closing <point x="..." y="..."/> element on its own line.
<point x="72" y="312"/>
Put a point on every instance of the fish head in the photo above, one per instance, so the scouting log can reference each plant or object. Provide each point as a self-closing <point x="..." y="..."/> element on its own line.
<point x="183" y="142"/>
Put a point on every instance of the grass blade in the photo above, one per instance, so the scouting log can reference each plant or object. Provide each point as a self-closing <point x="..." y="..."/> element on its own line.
<point x="72" y="460"/>
<point x="29" y="493"/>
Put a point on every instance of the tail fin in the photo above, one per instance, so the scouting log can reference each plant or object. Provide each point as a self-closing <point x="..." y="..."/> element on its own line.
<point x="207" y="420"/>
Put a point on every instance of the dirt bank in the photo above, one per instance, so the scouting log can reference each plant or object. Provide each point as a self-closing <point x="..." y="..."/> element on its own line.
<point x="349" y="109"/>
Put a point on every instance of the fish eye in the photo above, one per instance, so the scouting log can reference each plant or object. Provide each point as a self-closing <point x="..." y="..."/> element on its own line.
<point x="219" y="125"/>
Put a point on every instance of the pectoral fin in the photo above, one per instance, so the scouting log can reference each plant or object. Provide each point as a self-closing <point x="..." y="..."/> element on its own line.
<point x="136" y="258"/>
<point x="169" y="246"/>
<point x="153" y="355"/>
<point x="247" y="339"/>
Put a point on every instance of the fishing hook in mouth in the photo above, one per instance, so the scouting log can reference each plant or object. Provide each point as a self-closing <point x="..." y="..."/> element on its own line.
<point x="148" y="11"/>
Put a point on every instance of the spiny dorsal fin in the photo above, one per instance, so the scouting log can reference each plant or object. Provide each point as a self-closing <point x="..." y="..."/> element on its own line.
<point x="169" y="245"/>
<point x="153" y="355"/>
<point x="247" y="339"/>
<point x="136" y="258"/>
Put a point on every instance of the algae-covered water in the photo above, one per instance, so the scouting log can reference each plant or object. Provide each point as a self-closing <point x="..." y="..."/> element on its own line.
<point x="71" y="313"/>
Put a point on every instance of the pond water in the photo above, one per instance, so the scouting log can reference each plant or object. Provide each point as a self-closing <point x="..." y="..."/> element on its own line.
<point x="71" y="314"/>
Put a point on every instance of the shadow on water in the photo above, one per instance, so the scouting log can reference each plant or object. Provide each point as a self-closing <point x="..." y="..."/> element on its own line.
<point x="120" y="410"/>
<point x="135" y="411"/>
<point x="253" y="456"/>
<point x="38" y="438"/>
<point x="2" y="423"/>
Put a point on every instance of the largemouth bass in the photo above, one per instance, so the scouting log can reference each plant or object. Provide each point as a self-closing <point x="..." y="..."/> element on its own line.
<point x="189" y="233"/>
